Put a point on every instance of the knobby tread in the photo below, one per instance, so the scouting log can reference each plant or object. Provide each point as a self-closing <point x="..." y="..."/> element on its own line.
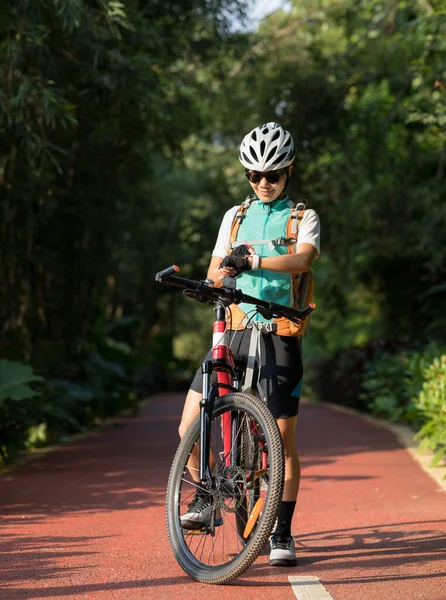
<point x="244" y="511"/>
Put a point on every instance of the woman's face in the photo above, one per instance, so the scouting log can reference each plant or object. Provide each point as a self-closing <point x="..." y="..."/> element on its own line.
<point x="269" y="185"/>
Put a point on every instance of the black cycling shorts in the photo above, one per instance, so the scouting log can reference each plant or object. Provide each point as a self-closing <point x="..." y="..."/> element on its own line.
<point x="280" y="370"/>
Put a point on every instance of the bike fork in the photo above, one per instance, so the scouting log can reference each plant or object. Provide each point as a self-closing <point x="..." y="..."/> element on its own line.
<point x="206" y="409"/>
<point x="220" y="351"/>
<point x="220" y="354"/>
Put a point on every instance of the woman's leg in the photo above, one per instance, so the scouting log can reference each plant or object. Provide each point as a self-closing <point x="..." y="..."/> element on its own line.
<point x="292" y="465"/>
<point x="190" y="410"/>
<point x="283" y="552"/>
<point x="202" y="506"/>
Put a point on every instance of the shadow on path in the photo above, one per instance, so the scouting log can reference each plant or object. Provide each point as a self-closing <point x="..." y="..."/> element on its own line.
<point x="378" y="551"/>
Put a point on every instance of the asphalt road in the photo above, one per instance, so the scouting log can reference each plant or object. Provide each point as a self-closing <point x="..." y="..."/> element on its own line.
<point x="87" y="520"/>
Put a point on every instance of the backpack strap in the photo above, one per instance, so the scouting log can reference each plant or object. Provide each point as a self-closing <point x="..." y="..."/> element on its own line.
<point x="239" y="216"/>
<point x="281" y="241"/>
<point x="300" y="280"/>
<point x="294" y="221"/>
<point x="292" y="228"/>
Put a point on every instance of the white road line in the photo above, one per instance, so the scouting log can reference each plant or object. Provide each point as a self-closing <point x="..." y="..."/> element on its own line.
<point x="309" y="588"/>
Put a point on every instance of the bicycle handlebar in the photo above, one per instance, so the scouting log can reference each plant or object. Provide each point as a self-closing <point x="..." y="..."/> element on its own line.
<point x="167" y="273"/>
<point x="202" y="291"/>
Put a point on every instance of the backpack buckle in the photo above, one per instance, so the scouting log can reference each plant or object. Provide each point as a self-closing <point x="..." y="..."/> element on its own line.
<point x="283" y="241"/>
<point x="270" y="327"/>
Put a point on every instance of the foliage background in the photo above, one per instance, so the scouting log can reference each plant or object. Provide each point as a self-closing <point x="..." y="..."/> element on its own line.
<point x="119" y="127"/>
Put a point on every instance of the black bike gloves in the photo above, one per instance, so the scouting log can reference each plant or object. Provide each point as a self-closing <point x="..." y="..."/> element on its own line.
<point x="237" y="259"/>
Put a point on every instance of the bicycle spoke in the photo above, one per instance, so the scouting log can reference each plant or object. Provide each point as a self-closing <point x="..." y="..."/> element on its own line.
<point x="221" y="545"/>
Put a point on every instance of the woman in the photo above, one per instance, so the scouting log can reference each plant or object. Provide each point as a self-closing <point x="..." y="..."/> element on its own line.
<point x="264" y="269"/>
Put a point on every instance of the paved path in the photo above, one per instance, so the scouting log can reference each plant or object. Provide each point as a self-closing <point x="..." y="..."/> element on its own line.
<point x="87" y="520"/>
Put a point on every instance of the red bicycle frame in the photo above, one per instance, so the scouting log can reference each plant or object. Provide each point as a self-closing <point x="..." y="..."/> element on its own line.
<point x="224" y="365"/>
<point x="222" y="357"/>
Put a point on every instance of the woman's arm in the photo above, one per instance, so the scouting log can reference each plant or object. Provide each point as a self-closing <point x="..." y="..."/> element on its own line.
<point x="216" y="274"/>
<point x="299" y="262"/>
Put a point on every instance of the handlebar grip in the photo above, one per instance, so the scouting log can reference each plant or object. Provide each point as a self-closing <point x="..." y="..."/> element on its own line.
<point x="167" y="273"/>
<point x="309" y="309"/>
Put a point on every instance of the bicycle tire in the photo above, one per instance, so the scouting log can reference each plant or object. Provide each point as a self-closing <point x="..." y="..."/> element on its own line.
<point x="216" y="554"/>
<point x="251" y="456"/>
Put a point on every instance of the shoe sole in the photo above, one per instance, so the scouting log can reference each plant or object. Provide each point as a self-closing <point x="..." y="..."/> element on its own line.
<point x="280" y="562"/>
<point x="197" y="526"/>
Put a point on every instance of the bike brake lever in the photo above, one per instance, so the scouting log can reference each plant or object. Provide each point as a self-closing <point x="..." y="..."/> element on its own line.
<point x="197" y="296"/>
<point x="265" y="312"/>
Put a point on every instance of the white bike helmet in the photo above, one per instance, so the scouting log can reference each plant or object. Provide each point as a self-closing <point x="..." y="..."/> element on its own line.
<point x="267" y="148"/>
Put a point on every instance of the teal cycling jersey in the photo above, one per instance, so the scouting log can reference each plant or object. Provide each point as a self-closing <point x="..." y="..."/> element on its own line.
<point x="266" y="221"/>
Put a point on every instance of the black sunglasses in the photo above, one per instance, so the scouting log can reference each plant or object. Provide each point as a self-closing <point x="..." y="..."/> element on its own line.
<point x="271" y="176"/>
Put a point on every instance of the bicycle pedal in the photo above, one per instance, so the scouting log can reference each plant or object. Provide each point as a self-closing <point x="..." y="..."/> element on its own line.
<point x="203" y="531"/>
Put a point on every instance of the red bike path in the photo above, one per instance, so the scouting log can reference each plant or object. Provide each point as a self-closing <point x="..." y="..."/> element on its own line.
<point x="87" y="520"/>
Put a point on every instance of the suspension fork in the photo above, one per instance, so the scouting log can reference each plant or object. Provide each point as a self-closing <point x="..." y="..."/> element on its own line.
<point x="206" y="409"/>
<point x="220" y="354"/>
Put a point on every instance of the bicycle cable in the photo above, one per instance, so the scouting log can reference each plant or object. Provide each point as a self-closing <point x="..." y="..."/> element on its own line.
<point x="243" y="331"/>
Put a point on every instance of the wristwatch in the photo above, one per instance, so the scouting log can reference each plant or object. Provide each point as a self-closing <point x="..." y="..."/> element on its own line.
<point x="255" y="261"/>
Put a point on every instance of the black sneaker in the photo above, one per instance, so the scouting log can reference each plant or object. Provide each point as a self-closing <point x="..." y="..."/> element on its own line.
<point x="283" y="552"/>
<point x="200" y="513"/>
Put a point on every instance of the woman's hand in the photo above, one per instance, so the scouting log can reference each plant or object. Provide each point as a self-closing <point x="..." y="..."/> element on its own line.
<point x="237" y="262"/>
<point x="218" y="271"/>
<point x="226" y="272"/>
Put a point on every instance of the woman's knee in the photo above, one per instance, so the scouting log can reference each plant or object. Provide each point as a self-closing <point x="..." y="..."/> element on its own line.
<point x="190" y="411"/>
<point x="290" y="452"/>
<point x="183" y="427"/>
<point x="287" y="429"/>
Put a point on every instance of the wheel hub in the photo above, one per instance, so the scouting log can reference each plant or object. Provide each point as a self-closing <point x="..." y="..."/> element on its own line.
<point x="230" y="488"/>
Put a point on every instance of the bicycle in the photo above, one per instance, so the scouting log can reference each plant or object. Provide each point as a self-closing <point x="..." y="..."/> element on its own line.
<point x="232" y="452"/>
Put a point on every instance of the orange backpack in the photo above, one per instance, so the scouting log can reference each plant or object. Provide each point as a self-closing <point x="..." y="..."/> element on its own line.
<point x="303" y="283"/>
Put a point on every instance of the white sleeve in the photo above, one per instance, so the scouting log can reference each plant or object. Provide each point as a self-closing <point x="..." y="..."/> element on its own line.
<point x="223" y="244"/>
<point x="310" y="230"/>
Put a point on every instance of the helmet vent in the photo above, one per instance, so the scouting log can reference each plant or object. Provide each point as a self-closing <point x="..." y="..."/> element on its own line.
<point x="271" y="154"/>
<point x="253" y="154"/>
<point x="280" y="159"/>
<point x="267" y="147"/>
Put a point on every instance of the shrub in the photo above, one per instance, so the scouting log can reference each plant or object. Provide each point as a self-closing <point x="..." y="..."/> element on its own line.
<point x="338" y="377"/>
<point x="19" y="411"/>
<point x="393" y="380"/>
<point x="431" y="403"/>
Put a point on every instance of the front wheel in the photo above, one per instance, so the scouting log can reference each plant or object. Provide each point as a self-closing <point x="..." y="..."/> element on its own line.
<point x="226" y="544"/>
